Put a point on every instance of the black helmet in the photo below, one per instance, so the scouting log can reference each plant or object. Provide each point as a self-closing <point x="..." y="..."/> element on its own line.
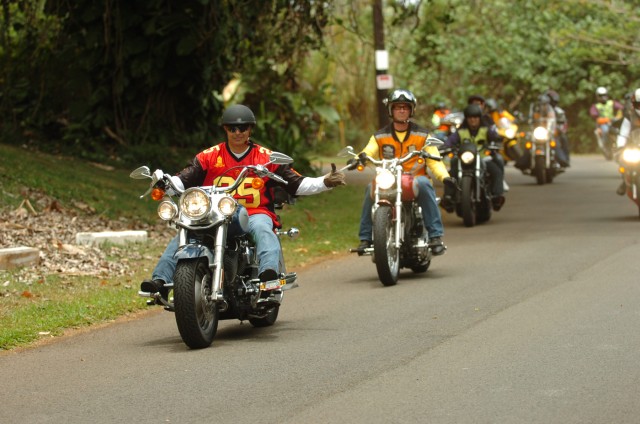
<point x="475" y="97"/>
<point x="553" y="96"/>
<point x="472" y="110"/>
<point x="441" y="105"/>
<point x="544" y="99"/>
<point x="238" y="114"/>
<point x="492" y="105"/>
<point x="401" y="96"/>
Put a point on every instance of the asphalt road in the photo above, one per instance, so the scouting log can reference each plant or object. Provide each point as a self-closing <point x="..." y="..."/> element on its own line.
<point x="533" y="317"/>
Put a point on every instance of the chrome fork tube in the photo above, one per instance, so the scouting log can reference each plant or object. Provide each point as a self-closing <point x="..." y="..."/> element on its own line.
<point x="217" y="265"/>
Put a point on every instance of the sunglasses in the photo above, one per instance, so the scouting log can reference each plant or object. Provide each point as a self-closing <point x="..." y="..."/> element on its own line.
<point x="238" y="128"/>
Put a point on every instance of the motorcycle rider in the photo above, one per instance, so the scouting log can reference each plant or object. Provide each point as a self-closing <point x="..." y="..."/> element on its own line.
<point x="223" y="161"/>
<point x="630" y="122"/>
<point x="476" y="99"/>
<point x="543" y="114"/>
<point x="399" y="137"/>
<point x="604" y="111"/>
<point x="561" y="126"/>
<point x="441" y="129"/>
<point x="478" y="132"/>
<point x="498" y="114"/>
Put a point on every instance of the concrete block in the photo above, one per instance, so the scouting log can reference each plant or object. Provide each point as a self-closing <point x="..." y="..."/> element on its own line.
<point x="113" y="237"/>
<point x="16" y="257"/>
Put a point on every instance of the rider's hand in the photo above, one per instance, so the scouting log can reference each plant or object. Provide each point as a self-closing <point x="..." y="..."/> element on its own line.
<point x="451" y="183"/>
<point x="334" y="178"/>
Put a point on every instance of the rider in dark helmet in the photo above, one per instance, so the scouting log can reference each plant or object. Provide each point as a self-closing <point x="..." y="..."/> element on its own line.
<point x="477" y="99"/>
<point x="212" y="165"/>
<point x="474" y="130"/>
<point x="394" y="140"/>
<point x="562" y="125"/>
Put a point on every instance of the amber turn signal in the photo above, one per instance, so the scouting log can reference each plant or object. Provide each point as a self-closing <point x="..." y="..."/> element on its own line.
<point x="157" y="194"/>
<point x="257" y="183"/>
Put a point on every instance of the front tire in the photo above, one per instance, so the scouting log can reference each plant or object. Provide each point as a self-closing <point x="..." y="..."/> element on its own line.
<point x="540" y="166"/>
<point x="387" y="257"/>
<point x="467" y="203"/>
<point x="196" y="317"/>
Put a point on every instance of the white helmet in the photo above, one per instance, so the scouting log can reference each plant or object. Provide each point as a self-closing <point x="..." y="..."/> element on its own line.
<point x="635" y="101"/>
<point x="601" y="91"/>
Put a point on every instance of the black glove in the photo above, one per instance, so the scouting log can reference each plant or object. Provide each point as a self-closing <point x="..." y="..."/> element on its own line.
<point x="362" y="157"/>
<point x="352" y="164"/>
<point x="451" y="184"/>
<point x="334" y="178"/>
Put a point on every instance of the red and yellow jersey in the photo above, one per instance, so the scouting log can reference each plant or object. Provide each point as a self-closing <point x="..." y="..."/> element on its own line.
<point x="218" y="166"/>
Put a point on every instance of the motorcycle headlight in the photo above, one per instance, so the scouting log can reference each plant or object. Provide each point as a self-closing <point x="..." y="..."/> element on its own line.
<point x="385" y="179"/>
<point x="467" y="157"/>
<point x="540" y="134"/>
<point x="227" y="205"/>
<point x="167" y="210"/>
<point x="195" y="204"/>
<point x="631" y="155"/>
<point x="510" y="133"/>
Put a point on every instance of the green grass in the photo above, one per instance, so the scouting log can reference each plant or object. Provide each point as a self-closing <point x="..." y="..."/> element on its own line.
<point x="48" y="305"/>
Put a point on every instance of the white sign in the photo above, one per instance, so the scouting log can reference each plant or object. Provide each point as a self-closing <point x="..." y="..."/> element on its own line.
<point x="382" y="60"/>
<point x="384" y="82"/>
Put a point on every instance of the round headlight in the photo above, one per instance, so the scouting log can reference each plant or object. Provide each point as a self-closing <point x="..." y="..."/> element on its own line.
<point x="194" y="203"/>
<point x="467" y="157"/>
<point x="227" y="206"/>
<point x="540" y="134"/>
<point x="510" y="133"/>
<point x="631" y="155"/>
<point x="385" y="179"/>
<point x="167" y="210"/>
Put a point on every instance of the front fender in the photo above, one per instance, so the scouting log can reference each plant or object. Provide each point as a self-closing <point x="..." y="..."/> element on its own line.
<point x="193" y="251"/>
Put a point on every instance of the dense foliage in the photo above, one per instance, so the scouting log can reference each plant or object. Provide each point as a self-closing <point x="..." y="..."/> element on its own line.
<point x="120" y="80"/>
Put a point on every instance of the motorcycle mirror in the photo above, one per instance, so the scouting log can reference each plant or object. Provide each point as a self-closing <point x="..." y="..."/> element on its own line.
<point x="141" y="173"/>
<point x="280" y="158"/>
<point x="346" y="152"/>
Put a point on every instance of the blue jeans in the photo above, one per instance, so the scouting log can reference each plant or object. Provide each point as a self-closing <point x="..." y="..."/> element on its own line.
<point x="427" y="201"/>
<point x="268" y="248"/>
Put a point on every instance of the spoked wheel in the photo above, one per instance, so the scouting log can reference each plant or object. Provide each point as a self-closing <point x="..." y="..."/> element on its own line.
<point x="196" y="317"/>
<point x="541" y="176"/>
<point x="467" y="203"/>
<point x="387" y="257"/>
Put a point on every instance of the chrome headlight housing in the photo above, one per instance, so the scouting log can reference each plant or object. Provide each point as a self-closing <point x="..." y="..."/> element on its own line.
<point x="385" y="179"/>
<point x="195" y="203"/>
<point x="467" y="157"/>
<point x="227" y="205"/>
<point x="631" y="155"/>
<point x="540" y="134"/>
<point x="167" y="210"/>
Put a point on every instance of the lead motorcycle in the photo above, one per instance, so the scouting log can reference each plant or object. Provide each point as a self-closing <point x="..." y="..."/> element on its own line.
<point x="400" y="239"/>
<point x="216" y="276"/>
<point x="473" y="201"/>
<point x="629" y="160"/>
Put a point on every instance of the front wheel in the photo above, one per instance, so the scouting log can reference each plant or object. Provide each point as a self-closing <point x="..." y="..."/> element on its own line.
<point x="540" y="168"/>
<point x="467" y="202"/>
<point x="196" y="317"/>
<point x="386" y="256"/>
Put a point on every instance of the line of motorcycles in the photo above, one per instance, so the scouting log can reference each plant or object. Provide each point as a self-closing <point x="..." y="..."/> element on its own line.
<point x="216" y="276"/>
